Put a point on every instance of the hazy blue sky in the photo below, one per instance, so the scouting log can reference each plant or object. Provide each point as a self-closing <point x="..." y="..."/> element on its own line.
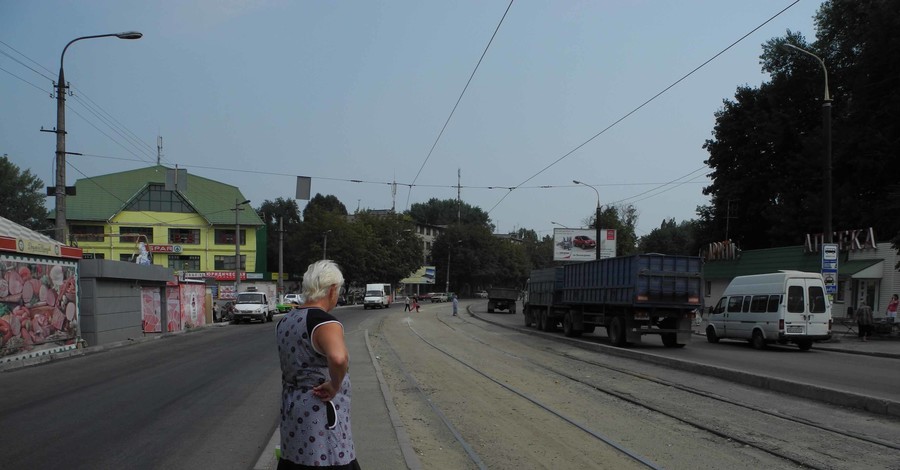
<point x="254" y="93"/>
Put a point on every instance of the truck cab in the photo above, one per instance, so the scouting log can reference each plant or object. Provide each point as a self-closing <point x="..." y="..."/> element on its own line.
<point x="253" y="305"/>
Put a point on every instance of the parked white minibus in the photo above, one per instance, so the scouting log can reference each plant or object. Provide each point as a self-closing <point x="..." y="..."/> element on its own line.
<point x="783" y="307"/>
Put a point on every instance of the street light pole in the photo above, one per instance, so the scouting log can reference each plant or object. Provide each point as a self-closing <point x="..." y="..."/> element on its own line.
<point x="557" y="223"/>
<point x="60" y="131"/>
<point x="237" y="245"/>
<point x="597" y="216"/>
<point x="828" y="233"/>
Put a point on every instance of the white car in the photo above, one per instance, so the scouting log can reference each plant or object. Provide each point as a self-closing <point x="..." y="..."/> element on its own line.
<point x="294" y="299"/>
<point x="482" y="293"/>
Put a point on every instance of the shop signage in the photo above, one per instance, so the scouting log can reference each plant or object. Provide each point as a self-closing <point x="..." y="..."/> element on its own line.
<point x="846" y="240"/>
<point x="830" y="267"/>
<point x="165" y="249"/>
<point x="217" y="275"/>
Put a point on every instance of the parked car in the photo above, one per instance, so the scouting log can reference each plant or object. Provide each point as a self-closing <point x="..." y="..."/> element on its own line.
<point x="482" y="294"/>
<point x="584" y="242"/>
<point x="294" y="298"/>
<point x="438" y="297"/>
<point x="426" y="296"/>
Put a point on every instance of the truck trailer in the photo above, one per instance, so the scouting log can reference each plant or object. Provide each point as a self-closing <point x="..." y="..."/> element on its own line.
<point x="630" y="296"/>
<point x="502" y="298"/>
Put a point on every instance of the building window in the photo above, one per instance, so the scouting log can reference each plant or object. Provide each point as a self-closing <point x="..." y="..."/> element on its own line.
<point x="184" y="262"/>
<point x="127" y="257"/>
<point x="184" y="236"/>
<point x="226" y="263"/>
<point x="93" y="256"/>
<point x="87" y="233"/>
<point x="842" y="286"/>
<point x="226" y="237"/>
<point x="155" y="198"/>
<point x="132" y="234"/>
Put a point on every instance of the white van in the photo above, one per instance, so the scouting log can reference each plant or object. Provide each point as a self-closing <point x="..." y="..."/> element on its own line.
<point x="377" y="296"/>
<point x="783" y="307"/>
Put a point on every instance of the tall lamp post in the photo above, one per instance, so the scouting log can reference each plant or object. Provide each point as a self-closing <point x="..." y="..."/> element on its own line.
<point x="237" y="244"/>
<point x="557" y="223"/>
<point x="826" y="136"/>
<point x="325" y="245"/>
<point x="597" y="217"/>
<point x="61" y="133"/>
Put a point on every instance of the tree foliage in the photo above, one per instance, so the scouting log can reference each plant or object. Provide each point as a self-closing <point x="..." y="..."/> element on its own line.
<point x="22" y="197"/>
<point x="767" y="151"/>
<point x="671" y="238"/>
<point x="446" y="212"/>
<point x="622" y="218"/>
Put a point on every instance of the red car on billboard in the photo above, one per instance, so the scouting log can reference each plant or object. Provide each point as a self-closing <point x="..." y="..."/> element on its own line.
<point x="584" y="242"/>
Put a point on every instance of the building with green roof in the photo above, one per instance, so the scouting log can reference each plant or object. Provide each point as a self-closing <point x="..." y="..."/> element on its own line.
<point x="186" y="221"/>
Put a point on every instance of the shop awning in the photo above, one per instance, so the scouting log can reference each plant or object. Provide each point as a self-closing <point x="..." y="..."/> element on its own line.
<point x="862" y="268"/>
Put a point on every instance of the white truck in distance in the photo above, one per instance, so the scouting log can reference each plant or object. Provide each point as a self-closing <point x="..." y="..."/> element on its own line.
<point x="377" y="296"/>
<point x="254" y="305"/>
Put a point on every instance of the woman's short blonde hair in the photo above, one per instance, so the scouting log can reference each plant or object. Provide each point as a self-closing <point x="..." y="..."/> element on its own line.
<point x="319" y="277"/>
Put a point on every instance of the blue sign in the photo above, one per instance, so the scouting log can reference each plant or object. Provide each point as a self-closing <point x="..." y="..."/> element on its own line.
<point x="830" y="267"/>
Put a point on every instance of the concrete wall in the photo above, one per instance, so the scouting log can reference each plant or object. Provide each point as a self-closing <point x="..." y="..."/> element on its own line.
<point x="110" y="298"/>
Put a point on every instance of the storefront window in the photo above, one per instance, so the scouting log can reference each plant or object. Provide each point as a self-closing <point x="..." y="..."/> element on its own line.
<point x="226" y="237"/>
<point x="184" y="236"/>
<point x="132" y="234"/>
<point x="225" y="263"/>
<point x="184" y="262"/>
<point x="87" y="233"/>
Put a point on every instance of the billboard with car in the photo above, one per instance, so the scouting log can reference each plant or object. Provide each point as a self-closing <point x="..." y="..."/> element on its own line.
<point x="580" y="244"/>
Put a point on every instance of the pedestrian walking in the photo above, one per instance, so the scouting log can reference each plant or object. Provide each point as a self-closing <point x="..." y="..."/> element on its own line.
<point x="406" y="307"/>
<point x="864" y="321"/>
<point x="455" y="304"/>
<point x="892" y="309"/>
<point x="315" y="394"/>
<point x="415" y="303"/>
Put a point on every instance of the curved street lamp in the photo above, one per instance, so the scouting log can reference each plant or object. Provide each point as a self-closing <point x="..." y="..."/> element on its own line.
<point x="557" y="223"/>
<point x="596" y="217"/>
<point x="61" y="133"/>
<point x="826" y="136"/>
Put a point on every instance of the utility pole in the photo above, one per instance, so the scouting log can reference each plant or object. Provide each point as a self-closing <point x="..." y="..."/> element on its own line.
<point x="281" y="256"/>
<point x="237" y="244"/>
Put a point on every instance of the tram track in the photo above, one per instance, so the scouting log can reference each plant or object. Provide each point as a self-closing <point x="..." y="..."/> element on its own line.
<point x="851" y="445"/>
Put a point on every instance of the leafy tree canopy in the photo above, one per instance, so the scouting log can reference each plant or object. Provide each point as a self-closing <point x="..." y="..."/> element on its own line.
<point x="22" y="197"/>
<point x="445" y="211"/>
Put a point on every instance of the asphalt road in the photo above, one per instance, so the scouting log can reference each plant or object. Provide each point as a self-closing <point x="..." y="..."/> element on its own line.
<point x="205" y="399"/>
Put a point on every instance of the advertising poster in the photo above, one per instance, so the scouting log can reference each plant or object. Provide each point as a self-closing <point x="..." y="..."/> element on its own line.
<point x="425" y="275"/>
<point x="150" y="310"/>
<point x="193" y="305"/>
<point x="574" y="244"/>
<point x="607" y="243"/>
<point x="38" y="304"/>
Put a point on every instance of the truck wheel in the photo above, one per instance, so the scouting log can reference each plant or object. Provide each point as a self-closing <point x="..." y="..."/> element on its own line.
<point x="569" y="327"/>
<point x="757" y="340"/>
<point x="805" y="345"/>
<point x="542" y="320"/>
<point x="617" y="331"/>
<point x="711" y="335"/>
<point x="529" y="317"/>
<point x="670" y="340"/>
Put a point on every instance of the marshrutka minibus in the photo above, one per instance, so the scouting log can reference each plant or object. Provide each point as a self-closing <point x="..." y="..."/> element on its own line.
<point x="783" y="307"/>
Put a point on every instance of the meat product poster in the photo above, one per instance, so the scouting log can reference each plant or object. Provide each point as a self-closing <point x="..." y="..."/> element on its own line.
<point x="38" y="304"/>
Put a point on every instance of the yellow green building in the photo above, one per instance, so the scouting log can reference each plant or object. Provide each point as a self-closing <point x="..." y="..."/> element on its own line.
<point x="186" y="221"/>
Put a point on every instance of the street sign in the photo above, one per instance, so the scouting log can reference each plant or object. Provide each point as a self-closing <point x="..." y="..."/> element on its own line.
<point x="830" y="267"/>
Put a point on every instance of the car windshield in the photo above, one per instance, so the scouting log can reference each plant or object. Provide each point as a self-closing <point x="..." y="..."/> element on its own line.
<point x="250" y="298"/>
<point x="374" y="293"/>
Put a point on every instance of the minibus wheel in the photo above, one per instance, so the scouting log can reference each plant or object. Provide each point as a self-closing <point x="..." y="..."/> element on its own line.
<point x="757" y="341"/>
<point x="711" y="335"/>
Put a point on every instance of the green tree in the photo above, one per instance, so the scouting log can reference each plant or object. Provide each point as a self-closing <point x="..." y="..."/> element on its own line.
<point x="282" y="214"/>
<point x="22" y="197"/>
<point x="767" y="149"/>
<point x="446" y="212"/>
<point x="671" y="238"/>
<point x="622" y="218"/>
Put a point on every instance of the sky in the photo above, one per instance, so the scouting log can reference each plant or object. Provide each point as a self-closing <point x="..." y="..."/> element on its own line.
<point x="358" y="95"/>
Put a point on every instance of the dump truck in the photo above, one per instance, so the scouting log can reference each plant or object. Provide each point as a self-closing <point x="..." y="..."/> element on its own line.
<point x="630" y="296"/>
<point x="502" y="298"/>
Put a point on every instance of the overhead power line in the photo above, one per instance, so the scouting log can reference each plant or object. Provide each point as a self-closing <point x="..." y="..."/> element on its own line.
<point x="471" y="76"/>
<point x="639" y="107"/>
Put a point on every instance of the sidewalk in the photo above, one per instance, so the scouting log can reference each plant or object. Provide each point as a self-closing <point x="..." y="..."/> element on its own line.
<point x="844" y="339"/>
